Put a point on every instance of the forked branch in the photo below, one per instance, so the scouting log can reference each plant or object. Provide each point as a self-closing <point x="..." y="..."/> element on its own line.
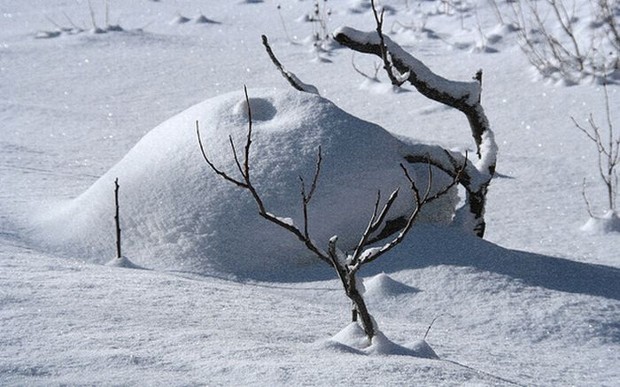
<point x="463" y="96"/>
<point x="246" y="183"/>
<point x="346" y="265"/>
<point x="385" y="55"/>
<point x="289" y="76"/>
<point x="608" y="149"/>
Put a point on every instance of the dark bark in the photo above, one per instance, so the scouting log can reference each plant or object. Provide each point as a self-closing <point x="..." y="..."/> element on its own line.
<point x="427" y="83"/>
<point x="117" y="220"/>
<point x="347" y="274"/>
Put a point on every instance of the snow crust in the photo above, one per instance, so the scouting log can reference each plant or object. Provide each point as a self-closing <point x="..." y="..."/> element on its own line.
<point x="455" y="89"/>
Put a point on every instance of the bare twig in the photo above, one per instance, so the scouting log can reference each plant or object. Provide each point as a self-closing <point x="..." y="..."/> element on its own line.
<point x="420" y="200"/>
<point x="363" y="74"/>
<point x="385" y="55"/>
<point x="564" y="52"/>
<point x="288" y="37"/>
<point x="246" y="183"/>
<point x="346" y="266"/>
<point x="464" y="96"/>
<point x="585" y="199"/>
<point x="117" y="219"/>
<point x="430" y="326"/>
<point x="307" y="197"/>
<point x="289" y="76"/>
<point x="608" y="152"/>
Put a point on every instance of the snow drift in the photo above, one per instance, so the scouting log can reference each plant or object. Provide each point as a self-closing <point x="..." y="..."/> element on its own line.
<point x="177" y="214"/>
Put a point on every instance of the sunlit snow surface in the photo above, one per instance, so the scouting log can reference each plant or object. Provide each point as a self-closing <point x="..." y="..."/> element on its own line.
<point x="537" y="303"/>
<point x="180" y="215"/>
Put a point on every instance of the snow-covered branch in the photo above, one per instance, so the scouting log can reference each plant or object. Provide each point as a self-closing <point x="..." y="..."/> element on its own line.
<point x="289" y="76"/>
<point x="463" y="96"/>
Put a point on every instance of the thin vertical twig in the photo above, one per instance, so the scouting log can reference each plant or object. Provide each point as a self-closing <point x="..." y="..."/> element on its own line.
<point x="117" y="219"/>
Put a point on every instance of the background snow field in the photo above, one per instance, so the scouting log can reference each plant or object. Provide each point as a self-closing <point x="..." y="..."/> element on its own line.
<point x="220" y="296"/>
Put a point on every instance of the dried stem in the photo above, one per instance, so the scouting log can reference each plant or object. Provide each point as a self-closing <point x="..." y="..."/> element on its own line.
<point x="346" y="266"/>
<point x="117" y="219"/>
<point x="387" y="65"/>
<point x="289" y="76"/>
<point x="608" y="152"/>
<point x="463" y="96"/>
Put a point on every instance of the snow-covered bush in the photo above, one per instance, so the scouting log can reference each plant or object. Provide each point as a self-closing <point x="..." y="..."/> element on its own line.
<point x="346" y="264"/>
<point x="179" y="216"/>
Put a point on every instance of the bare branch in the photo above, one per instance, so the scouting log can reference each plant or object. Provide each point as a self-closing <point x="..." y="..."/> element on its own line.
<point x="289" y="76"/>
<point x="387" y="65"/>
<point x="463" y="96"/>
<point x="247" y="184"/>
<point x="317" y="172"/>
<point x="236" y="157"/>
<point x="213" y="167"/>
<point x="373" y="224"/>
<point x="117" y="219"/>
<point x="420" y="201"/>
<point x="347" y="275"/>
<point x="307" y="197"/>
<point x="608" y="152"/>
<point x="585" y="198"/>
<point x="363" y="74"/>
<point x="346" y="267"/>
<point x="248" y="143"/>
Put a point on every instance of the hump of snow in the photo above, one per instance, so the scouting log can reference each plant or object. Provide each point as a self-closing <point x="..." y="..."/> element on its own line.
<point x="177" y="214"/>
<point x="608" y="223"/>
<point x="383" y="286"/>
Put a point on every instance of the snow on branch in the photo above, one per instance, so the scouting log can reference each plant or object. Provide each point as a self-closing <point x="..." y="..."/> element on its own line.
<point x="463" y="96"/>
<point x="428" y="83"/>
<point x="289" y="76"/>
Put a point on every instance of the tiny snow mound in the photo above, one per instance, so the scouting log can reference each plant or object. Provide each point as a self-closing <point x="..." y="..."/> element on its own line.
<point x="177" y="214"/>
<point x="382" y="286"/>
<point x="353" y="338"/>
<point x="123" y="262"/>
<point x="606" y="224"/>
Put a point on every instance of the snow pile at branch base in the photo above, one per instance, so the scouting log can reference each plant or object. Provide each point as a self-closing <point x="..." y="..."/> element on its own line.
<point x="610" y="222"/>
<point x="353" y="339"/>
<point x="177" y="214"/>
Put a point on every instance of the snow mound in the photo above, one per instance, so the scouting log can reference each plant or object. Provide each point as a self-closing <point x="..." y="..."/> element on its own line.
<point x="123" y="262"/>
<point x="177" y="214"/>
<point x="180" y="19"/>
<point x="383" y="286"/>
<point x="608" y="223"/>
<point x="353" y="339"/>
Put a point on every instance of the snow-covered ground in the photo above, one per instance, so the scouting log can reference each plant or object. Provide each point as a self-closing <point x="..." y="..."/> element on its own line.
<point x="535" y="303"/>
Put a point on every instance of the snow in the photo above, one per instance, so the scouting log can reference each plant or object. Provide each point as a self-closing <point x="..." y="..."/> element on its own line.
<point x="608" y="223"/>
<point x="179" y="215"/>
<point x="454" y="89"/>
<point x="353" y="340"/>
<point x="535" y="303"/>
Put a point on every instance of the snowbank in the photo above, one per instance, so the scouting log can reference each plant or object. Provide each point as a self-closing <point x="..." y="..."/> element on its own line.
<point x="176" y="214"/>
